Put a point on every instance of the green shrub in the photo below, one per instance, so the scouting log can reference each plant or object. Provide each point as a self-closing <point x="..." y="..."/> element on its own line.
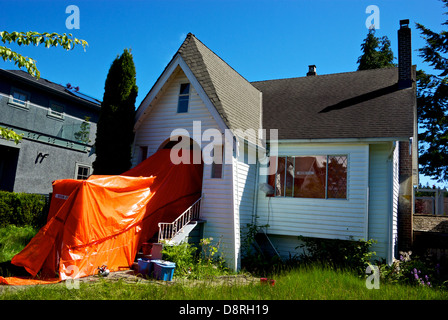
<point x="421" y="271"/>
<point x="22" y="209"/>
<point x="196" y="263"/>
<point x="346" y="254"/>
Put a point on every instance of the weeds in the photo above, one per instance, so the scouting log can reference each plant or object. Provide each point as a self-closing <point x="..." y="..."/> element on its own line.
<point x="196" y="263"/>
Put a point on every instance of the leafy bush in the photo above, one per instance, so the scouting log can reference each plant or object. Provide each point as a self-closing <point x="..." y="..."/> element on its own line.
<point x="346" y="254"/>
<point x="193" y="263"/>
<point x="22" y="209"/>
<point x="417" y="270"/>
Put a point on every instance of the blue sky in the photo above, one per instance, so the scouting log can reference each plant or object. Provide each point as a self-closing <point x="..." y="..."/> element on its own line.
<point x="261" y="39"/>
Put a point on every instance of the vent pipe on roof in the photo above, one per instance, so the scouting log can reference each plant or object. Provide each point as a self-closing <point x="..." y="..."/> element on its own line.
<point x="404" y="55"/>
<point x="312" y="70"/>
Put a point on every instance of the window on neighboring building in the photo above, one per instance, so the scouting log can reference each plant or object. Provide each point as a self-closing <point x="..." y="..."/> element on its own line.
<point x="217" y="161"/>
<point x="184" y="97"/>
<point x="56" y="110"/>
<point x="321" y="177"/>
<point x="82" y="171"/>
<point x="19" y="98"/>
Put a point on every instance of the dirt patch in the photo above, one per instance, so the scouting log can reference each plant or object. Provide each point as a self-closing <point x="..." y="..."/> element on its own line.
<point x="130" y="276"/>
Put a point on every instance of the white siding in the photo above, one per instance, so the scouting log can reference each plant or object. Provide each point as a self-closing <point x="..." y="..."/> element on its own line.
<point x="244" y="192"/>
<point x="324" y="218"/>
<point x="379" y="197"/>
<point x="384" y="188"/>
<point x="156" y="127"/>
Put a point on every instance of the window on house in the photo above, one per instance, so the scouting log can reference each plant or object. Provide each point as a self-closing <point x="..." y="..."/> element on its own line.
<point x="184" y="97"/>
<point x="19" y="98"/>
<point x="320" y="177"/>
<point x="56" y="110"/>
<point x="82" y="171"/>
<point x="217" y="161"/>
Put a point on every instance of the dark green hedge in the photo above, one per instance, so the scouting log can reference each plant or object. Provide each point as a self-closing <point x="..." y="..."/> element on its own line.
<point x="23" y="209"/>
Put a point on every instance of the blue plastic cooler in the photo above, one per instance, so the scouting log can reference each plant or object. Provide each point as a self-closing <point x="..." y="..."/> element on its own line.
<point x="163" y="270"/>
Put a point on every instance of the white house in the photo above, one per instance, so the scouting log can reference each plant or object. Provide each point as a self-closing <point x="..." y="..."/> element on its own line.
<point x="342" y="148"/>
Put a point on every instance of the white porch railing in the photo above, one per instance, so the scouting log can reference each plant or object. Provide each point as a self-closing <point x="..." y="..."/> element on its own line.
<point x="168" y="231"/>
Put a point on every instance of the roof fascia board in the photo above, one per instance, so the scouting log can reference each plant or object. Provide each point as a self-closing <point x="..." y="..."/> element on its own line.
<point x="342" y="140"/>
<point x="161" y="81"/>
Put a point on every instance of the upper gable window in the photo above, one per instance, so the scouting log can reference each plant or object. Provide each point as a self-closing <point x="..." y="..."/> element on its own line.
<point x="19" y="98"/>
<point x="184" y="97"/>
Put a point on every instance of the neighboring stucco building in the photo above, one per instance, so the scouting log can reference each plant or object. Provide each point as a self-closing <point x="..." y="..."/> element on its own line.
<point x="57" y="139"/>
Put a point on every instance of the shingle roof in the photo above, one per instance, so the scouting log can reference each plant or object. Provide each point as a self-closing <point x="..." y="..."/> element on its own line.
<point x="361" y="104"/>
<point x="235" y="99"/>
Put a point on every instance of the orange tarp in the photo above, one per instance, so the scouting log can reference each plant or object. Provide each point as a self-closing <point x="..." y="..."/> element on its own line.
<point x="105" y="219"/>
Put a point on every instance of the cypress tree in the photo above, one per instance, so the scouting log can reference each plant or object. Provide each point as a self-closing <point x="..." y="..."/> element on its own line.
<point x="115" y="134"/>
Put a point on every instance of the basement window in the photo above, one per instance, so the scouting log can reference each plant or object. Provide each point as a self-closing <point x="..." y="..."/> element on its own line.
<point x="319" y="177"/>
<point x="184" y="97"/>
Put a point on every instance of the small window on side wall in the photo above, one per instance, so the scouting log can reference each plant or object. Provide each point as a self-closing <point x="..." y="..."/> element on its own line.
<point x="82" y="171"/>
<point x="184" y="97"/>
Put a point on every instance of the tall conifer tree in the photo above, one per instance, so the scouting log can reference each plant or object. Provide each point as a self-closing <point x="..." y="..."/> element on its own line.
<point x="115" y="134"/>
<point x="376" y="52"/>
<point x="432" y="104"/>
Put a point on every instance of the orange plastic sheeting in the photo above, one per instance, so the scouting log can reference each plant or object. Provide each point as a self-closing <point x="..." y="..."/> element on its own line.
<point x="23" y="281"/>
<point x="105" y="219"/>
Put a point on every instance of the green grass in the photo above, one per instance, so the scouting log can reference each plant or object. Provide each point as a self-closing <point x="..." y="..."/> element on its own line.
<point x="13" y="239"/>
<point x="312" y="283"/>
<point x="302" y="283"/>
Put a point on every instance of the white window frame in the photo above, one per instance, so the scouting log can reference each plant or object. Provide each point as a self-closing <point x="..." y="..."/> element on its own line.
<point x="55" y="114"/>
<point x="78" y="165"/>
<point x="24" y="106"/>
<point x="184" y="95"/>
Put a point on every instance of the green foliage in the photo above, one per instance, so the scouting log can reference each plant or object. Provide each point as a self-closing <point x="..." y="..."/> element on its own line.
<point x="22" y="209"/>
<point x="421" y="271"/>
<point x="254" y="260"/>
<point x="115" y="126"/>
<point x="83" y="134"/>
<point x="376" y="52"/>
<point x="182" y="254"/>
<point x="192" y="263"/>
<point x="54" y="39"/>
<point x="9" y="134"/>
<point x="432" y="104"/>
<point x="335" y="253"/>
